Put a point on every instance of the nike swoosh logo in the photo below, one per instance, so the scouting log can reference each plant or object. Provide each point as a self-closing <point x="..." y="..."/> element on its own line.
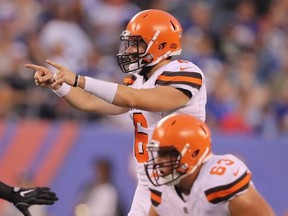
<point x="184" y="68"/>
<point x="23" y="193"/>
<point x="237" y="171"/>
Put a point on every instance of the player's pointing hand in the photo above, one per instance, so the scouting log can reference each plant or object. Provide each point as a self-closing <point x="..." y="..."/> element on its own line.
<point x="42" y="76"/>
<point x="62" y="75"/>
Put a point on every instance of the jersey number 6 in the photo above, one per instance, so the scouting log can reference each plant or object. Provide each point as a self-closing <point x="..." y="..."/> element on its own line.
<point x="140" y="137"/>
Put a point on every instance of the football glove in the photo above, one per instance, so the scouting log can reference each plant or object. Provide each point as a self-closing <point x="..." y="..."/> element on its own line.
<point x="23" y="198"/>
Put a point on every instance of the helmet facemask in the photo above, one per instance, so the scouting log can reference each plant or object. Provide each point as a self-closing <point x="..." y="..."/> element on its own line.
<point x="167" y="165"/>
<point x="163" y="166"/>
<point x="131" y="61"/>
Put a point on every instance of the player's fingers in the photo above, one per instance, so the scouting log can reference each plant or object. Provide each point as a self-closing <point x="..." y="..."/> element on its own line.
<point x="23" y="209"/>
<point x="35" y="67"/>
<point x="55" y="77"/>
<point x="58" y="81"/>
<point x="26" y="212"/>
<point x="37" y="75"/>
<point x="54" y="64"/>
<point x="58" y="76"/>
<point x="41" y="73"/>
<point x="47" y="196"/>
<point x="45" y="78"/>
<point x="36" y="82"/>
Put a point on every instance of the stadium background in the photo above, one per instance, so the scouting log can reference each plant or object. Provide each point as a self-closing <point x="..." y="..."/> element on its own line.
<point x="240" y="45"/>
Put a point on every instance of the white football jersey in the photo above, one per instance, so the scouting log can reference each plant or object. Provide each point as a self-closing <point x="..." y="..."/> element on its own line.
<point x="179" y="74"/>
<point x="221" y="178"/>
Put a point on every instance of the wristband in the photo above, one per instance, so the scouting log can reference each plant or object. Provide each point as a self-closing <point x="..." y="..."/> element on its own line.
<point x="102" y="89"/>
<point x="63" y="90"/>
<point x="76" y="80"/>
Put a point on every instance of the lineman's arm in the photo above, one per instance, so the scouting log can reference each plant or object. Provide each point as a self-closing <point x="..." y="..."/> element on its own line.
<point x="250" y="203"/>
<point x="152" y="211"/>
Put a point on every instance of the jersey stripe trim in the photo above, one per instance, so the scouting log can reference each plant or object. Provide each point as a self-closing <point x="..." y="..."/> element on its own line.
<point x="225" y="192"/>
<point x="155" y="197"/>
<point x="188" y="78"/>
<point x="129" y="80"/>
<point x="181" y="73"/>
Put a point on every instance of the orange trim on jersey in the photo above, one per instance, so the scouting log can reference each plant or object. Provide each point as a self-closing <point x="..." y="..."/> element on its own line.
<point x="156" y="197"/>
<point x="129" y="79"/>
<point x="180" y="79"/>
<point x="231" y="190"/>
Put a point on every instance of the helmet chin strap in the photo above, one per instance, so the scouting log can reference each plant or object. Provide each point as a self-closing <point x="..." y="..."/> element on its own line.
<point x="133" y="67"/>
<point x="201" y="160"/>
<point x="148" y="48"/>
<point x="169" y="178"/>
<point x="162" y="57"/>
<point x="152" y="41"/>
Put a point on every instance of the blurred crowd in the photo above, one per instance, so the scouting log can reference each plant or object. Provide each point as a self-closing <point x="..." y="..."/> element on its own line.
<point x="99" y="196"/>
<point x="240" y="45"/>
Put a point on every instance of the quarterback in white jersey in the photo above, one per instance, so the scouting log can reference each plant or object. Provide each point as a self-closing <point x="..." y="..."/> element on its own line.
<point x="188" y="179"/>
<point x="172" y="75"/>
<point x="155" y="86"/>
<point x="176" y="74"/>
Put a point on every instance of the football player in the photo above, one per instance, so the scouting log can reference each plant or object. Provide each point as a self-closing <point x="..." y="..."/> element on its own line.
<point x="189" y="179"/>
<point x="23" y="198"/>
<point x="155" y="86"/>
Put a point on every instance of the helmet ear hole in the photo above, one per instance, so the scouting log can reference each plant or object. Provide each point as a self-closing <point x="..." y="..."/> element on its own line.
<point x="195" y="153"/>
<point x="162" y="46"/>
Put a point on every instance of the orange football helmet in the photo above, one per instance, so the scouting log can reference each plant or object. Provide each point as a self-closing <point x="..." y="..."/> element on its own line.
<point x="180" y="143"/>
<point x="158" y="30"/>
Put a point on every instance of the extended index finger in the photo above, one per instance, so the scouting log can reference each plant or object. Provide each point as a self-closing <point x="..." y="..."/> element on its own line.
<point x="34" y="67"/>
<point x="54" y="64"/>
